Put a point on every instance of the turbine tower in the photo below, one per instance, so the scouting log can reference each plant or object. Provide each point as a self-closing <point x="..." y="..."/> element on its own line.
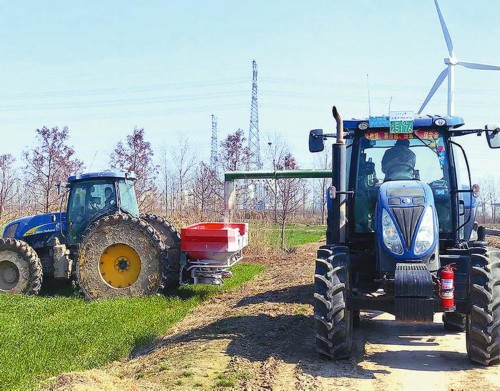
<point x="449" y="71"/>
<point x="255" y="162"/>
<point x="213" y="150"/>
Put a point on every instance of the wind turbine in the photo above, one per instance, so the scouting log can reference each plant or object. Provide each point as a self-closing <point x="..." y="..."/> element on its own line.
<point x="449" y="71"/>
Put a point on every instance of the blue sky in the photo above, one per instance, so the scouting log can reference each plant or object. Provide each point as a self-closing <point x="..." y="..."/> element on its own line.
<point x="103" y="67"/>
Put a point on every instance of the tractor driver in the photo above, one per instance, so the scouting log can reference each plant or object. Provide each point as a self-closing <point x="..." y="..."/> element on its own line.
<point x="398" y="162"/>
<point x="110" y="198"/>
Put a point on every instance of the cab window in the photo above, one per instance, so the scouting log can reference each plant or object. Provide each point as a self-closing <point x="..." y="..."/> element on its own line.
<point x="127" y="197"/>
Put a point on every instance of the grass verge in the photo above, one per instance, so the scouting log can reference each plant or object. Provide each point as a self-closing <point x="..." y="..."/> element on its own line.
<point x="264" y="237"/>
<point x="297" y="235"/>
<point x="41" y="337"/>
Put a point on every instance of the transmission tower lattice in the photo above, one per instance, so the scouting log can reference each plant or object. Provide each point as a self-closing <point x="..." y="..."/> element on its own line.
<point x="213" y="151"/>
<point x="253" y="134"/>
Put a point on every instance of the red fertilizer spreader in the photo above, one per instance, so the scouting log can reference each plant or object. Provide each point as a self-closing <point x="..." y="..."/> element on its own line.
<point x="209" y="250"/>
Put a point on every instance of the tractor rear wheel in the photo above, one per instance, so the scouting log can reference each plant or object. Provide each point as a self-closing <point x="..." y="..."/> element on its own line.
<point x="454" y="321"/>
<point x="172" y="241"/>
<point x="20" y="268"/>
<point x="120" y="255"/>
<point x="483" y="322"/>
<point x="334" y="322"/>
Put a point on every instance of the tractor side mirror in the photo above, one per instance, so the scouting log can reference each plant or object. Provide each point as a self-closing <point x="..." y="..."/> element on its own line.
<point x="493" y="137"/>
<point x="316" y="141"/>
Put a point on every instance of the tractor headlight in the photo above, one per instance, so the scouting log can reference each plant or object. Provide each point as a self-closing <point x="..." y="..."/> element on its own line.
<point x="425" y="235"/>
<point x="390" y="234"/>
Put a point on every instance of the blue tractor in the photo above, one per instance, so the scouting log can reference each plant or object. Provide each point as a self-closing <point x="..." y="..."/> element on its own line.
<point x="101" y="241"/>
<point x="401" y="235"/>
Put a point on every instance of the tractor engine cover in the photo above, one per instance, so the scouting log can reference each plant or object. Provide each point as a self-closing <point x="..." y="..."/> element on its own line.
<point x="405" y="210"/>
<point x="413" y="290"/>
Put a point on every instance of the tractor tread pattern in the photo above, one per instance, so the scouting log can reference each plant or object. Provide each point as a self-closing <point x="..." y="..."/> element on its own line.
<point x="172" y="241"/>
<point x="483" y="322"/>
<point x="31" y="257"/>
<point x="333" y="321"/>
<point x="454" y="321"/>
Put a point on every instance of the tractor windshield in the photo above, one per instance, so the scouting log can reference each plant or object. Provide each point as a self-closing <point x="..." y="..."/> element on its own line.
<point x="87" y="201"/>
<point x="389" y="157"/>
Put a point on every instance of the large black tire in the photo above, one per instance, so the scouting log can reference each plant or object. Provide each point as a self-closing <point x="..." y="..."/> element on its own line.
<point x="120" y="255"/>
<point x="172" y="241"/>
<point x="20" y="268"/>
<point x="483" y="322"/>
<point x="454" y="321"/>
<point x="334" y="322"/>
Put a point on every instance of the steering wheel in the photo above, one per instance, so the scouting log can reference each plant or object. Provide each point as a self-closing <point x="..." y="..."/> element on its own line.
<point x="93" y="206"/>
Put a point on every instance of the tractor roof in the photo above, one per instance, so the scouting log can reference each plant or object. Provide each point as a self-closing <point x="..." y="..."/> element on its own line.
<point x="101" y="175"/>
<point x="419" y="122"/>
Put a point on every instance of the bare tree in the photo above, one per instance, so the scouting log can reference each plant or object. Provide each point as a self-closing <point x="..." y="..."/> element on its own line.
<point x="285" y="195"/>
<point x="184" y="162"/>
<point x="165" y="179"/>
<point x="136" y="155"/>
<point x="489" y="195"/>
<point x="289" y="199"/>
<point x="482" y="203"/>
<point x="25" y="200"/>
<point x="305" y="188"/>
<point x="49" y="163"/>
<point x="234" y="156"/>
<point x="8" y="181"/>
<point x="206" y="191"/>
<point x="276" y="154"/>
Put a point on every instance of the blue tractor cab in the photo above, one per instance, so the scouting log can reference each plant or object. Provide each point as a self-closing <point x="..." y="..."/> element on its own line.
<point x="401" y="213"/>
<point x="95" y="194"/>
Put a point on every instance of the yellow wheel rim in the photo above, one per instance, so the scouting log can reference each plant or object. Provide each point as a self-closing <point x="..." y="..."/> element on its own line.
<point x="120" y="265"/>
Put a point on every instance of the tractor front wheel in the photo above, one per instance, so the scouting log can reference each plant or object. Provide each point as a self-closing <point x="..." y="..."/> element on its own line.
<point x="120" y="255"/>
<point x="483" y="322"/>
<point x="20" y="268"/>
<point x="334" y="322"/>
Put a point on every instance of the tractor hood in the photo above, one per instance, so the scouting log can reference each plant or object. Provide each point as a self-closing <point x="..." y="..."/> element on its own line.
<point x="406" y="223"/>
<point x="25" y="227"/>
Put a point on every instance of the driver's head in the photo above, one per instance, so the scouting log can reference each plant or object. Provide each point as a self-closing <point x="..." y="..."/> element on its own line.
<point x="108" y="192"/>
<point x="403" y="143"/>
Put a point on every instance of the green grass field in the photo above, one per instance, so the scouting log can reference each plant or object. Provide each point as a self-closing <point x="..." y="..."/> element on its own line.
<point x="41" y="337"/>
<point x="297" y="235"/>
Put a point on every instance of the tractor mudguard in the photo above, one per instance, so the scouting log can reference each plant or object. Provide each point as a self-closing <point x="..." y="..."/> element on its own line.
<point x="413" y="289"/>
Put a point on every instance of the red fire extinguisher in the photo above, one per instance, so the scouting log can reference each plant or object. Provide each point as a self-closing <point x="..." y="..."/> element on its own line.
<point x="447" y="288"/>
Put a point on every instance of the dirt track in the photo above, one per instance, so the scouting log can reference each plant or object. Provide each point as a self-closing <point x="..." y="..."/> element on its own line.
<point x="262" y="337"/>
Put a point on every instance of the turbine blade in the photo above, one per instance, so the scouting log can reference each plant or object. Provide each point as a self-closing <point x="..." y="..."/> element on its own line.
<point x="475" y="65"/>
<point x="447" y="36"/>
<point x="434" y="88"/>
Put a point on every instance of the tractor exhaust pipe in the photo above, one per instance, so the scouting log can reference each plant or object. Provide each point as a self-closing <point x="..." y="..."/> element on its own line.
<point x="337" y="215"/>
<point x="340" y="125"/>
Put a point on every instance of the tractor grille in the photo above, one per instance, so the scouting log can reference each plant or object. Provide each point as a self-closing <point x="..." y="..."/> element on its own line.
<point x="407" y="219"/>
